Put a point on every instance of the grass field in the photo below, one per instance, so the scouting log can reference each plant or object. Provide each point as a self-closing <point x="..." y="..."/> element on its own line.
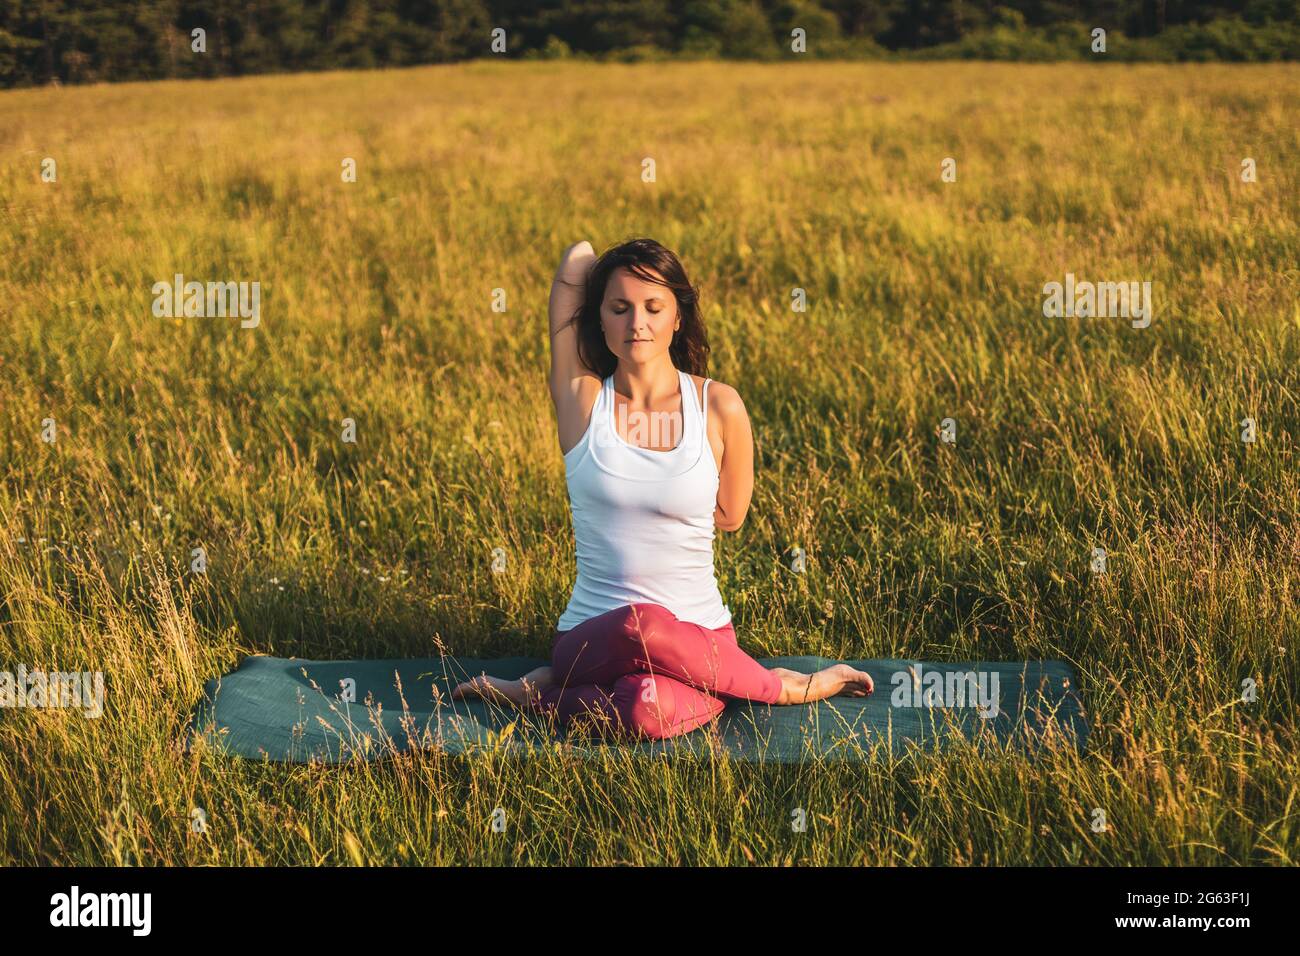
<point x="924" y="302"/>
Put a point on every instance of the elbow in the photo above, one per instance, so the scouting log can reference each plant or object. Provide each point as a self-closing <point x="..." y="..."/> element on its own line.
<point x="728" y="524"/>
<point x="731" y="516"/>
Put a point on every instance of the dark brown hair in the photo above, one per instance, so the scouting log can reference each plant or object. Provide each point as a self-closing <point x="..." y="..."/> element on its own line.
<point x="689" y="348"/>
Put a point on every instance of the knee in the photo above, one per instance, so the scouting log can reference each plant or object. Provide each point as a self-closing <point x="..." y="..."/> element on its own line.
<point x="648" y="706"/>
<point x="644" y="704"/>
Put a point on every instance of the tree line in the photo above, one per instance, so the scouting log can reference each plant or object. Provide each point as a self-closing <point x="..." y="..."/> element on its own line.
<point x="63" y="41"/>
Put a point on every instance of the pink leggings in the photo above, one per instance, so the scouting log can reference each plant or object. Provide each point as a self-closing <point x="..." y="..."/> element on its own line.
<point x="639" y="668"/>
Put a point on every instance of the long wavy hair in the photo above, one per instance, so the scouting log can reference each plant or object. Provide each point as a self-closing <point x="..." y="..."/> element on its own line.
<point x="689" y="348"/>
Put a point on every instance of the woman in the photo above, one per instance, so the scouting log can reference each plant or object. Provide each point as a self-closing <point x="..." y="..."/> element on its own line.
<point x="656" y="456"/>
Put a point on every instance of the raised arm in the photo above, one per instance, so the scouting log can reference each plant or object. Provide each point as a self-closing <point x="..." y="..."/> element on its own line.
<point x="573" y="386"/>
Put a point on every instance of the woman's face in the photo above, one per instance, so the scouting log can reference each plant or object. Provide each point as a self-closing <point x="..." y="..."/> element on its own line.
<point x="638" y="317"/>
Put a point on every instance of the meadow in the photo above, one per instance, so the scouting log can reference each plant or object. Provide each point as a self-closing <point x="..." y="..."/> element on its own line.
<point x="924" y="302"/>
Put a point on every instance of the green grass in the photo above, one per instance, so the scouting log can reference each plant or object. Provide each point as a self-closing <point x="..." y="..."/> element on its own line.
<point x="924" y="303"/>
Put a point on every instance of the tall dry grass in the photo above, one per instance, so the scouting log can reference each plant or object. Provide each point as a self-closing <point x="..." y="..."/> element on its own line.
<point x="925" y="303"/>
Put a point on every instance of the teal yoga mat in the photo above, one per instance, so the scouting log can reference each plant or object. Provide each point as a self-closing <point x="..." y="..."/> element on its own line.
<point x="291" y="709"/>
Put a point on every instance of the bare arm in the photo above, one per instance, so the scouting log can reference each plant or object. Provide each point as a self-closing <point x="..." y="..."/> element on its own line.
<point x="572" y="384"/>
<point x="736" y="477"/>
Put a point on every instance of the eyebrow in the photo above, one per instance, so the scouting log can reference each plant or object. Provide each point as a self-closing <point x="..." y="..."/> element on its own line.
<point x="653" y="298"/>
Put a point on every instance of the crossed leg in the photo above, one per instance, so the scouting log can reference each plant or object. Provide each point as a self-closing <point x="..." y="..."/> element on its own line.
<point x="639" y="668"/>
<point x="649" y="705"/>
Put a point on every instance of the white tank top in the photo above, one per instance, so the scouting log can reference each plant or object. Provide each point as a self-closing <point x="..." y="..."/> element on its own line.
<point x="642" y="519"/>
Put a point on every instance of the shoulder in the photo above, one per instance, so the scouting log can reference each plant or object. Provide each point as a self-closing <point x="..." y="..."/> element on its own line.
<point x="724" y="401"/>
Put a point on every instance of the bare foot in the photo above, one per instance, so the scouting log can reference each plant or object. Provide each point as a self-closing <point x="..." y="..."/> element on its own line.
<point x="523" y="692"/>
<point x="856" y="683"/>
<point x="838" y="679"/>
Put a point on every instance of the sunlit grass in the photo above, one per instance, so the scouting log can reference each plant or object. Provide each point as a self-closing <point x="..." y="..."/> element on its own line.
<point x="924" y="303"/>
